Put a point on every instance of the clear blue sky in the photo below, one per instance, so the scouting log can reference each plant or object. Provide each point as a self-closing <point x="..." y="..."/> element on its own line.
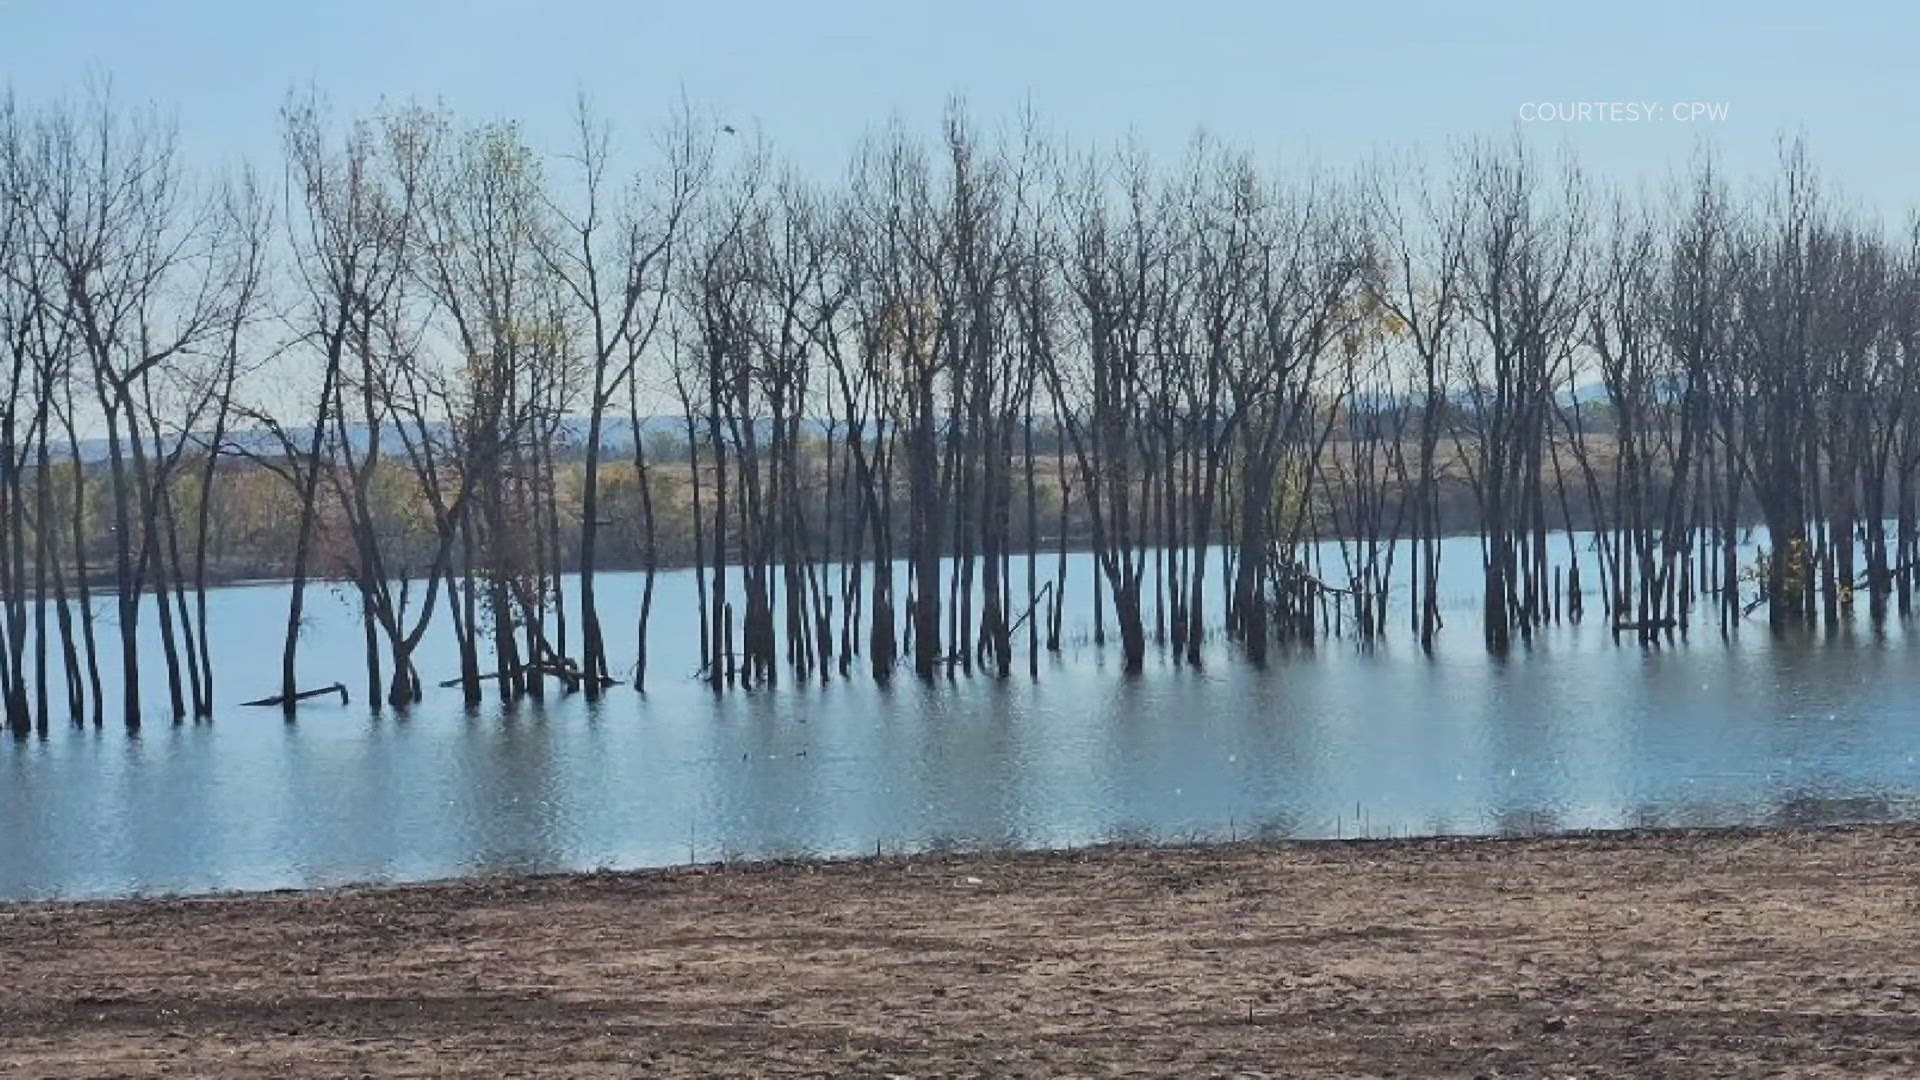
<point x="1329" y="80"/>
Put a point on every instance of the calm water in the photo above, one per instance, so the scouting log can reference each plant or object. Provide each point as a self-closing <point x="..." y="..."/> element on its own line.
<point x="1574" y="732"/>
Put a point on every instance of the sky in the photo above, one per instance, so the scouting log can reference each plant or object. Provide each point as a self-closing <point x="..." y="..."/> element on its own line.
<point x="1333" y="83"/>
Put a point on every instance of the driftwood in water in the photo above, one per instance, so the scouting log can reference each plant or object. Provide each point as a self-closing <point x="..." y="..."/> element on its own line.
<point x="558" y="671"/>
<point x="281" y="699"/>
<point x="1044" y="591"/>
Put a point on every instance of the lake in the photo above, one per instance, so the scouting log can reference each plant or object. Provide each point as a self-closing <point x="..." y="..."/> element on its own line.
<point x="1574" y="731"/>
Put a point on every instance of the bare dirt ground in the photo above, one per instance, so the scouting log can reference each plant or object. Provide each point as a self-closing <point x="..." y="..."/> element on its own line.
<point x="1659" y="954"/>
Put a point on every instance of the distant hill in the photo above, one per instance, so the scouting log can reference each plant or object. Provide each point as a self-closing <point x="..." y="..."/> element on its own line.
<point x="616" y="436"/>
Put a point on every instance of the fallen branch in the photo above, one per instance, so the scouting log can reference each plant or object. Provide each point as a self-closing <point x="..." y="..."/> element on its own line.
<point x="556" y="670"/>
<point x="1037" y="597"/>
<point x="281" y="699"/>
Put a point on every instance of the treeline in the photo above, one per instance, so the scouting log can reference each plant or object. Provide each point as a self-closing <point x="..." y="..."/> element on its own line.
<point x="962" y="357"/>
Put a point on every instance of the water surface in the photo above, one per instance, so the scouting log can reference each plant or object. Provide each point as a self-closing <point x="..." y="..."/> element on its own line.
<point x="1574" y="731"/>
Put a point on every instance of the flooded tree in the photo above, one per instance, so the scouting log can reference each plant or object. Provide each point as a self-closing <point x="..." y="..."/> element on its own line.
<point x="877" y="416"/>
<point x="612" y="252"/>
<point x="134" y="276"/>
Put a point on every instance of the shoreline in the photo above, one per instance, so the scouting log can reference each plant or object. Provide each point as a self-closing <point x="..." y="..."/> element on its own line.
<point x="1736" y="951"/>
<point x="814" y="864"/>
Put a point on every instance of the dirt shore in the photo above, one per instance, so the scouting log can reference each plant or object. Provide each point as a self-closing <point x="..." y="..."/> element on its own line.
<point x="1655" y="954"/>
